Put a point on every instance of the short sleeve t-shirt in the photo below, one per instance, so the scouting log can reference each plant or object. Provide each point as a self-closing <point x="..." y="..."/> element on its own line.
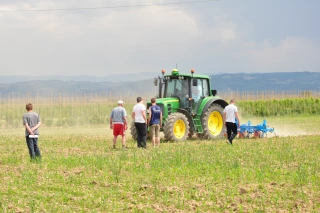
<point x="138" y="109"/>
<point x="32" y="119"/>
<point x="230" y="111"/>
<point x="117" y="114"/>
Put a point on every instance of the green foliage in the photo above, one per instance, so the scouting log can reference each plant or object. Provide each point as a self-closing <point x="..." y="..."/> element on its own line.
<point x="48" y="121"/>
<point x="282" y="107"/>
<point x="56" y="114"/>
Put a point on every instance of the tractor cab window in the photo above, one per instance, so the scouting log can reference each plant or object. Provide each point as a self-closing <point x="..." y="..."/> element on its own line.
<point x="201" y="90"/>
<point x="205" y="87"/>
<point x="177" y="88"/>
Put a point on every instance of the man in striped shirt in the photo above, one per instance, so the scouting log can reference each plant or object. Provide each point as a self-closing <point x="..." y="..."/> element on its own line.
<point x="118" y="122"/>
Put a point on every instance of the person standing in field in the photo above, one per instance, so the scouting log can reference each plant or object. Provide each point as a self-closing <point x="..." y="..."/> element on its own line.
<point x="118" y="122"/>
<point x="155" y="122"/>
<point x="140" y="122"/>
<point x="32" y="122"/>
<point x="230" y="114"/>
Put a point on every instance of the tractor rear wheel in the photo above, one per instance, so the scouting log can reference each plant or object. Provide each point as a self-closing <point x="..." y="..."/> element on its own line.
<point x="212" y="122"/>
<point x="133" y="131"/>
<point x="176" y="127"/>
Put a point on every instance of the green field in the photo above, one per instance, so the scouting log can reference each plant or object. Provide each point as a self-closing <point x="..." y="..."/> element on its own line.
<point x="81" y="173"/>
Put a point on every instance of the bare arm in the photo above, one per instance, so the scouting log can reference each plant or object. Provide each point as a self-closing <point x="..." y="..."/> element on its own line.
<point x="36" y="126"/>
<point x="125" y="122"/>
<point x="111" y="126"/>
<point x="144" y="116"/>
<point x="28" y="129"/>
<point x="237" y="118"/>
<point x="149" y="118"/>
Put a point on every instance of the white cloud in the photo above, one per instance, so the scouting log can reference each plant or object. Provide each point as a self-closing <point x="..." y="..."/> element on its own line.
<point x="292" y="54"/>
<point x="108" y="41"/>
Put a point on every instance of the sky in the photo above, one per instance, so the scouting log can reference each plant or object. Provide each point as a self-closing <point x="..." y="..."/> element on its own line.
<point x="221" y="36"/>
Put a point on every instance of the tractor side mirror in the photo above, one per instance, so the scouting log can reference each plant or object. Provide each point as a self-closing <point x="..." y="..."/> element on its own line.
<point x="194" y="82"/>
<point x="155" y="81"/>
<point x="214" y="92"/>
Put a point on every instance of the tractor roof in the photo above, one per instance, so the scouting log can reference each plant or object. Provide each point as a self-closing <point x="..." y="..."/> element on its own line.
<point x="175" y="73"/>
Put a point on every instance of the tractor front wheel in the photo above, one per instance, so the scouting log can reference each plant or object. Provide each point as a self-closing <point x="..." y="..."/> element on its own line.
<point x="212" y="122"/>
<point x="176" y="127"/>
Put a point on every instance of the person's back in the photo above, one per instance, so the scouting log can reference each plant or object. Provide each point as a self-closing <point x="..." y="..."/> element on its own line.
<point x="155" y="114"/>
<point x="32" y="122"/>
<point x="32" y="119"/>
<point x="117" y="114"/>
<point x="231" y="110"/>
<point x="155" y="122"/>
<point x="118" y="122"/>
<point x="230" y="114"/>
<point x="140" y="122"/>
<point x="138" y="109"/>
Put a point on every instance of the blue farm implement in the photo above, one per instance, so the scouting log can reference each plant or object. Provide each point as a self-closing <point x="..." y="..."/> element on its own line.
<point x="258" y="131"/>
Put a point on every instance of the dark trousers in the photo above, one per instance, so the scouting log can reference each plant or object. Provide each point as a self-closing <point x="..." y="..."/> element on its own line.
<point x="33" y="147"/>
<point x="142" y="134"/>
<point x="231" y="127"/>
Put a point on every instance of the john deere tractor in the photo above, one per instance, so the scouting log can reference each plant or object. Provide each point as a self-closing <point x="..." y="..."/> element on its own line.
<point x="189" y="107"/>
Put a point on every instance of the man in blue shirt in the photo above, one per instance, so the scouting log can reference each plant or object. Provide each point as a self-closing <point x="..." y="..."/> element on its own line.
<point x="155" y="122"/>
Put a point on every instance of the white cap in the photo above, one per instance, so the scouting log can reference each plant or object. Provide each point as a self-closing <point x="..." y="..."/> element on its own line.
<point x="120" y="102"/>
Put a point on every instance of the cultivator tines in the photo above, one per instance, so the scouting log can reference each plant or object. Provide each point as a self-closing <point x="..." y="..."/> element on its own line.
<point x="258" y="131"/>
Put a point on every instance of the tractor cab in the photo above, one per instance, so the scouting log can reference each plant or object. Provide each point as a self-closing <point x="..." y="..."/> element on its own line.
<point x="189" y="89"/>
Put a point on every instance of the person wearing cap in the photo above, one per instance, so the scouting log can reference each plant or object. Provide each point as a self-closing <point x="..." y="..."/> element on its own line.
<point x="118" y="122"/>
<point x="140" y="122"/>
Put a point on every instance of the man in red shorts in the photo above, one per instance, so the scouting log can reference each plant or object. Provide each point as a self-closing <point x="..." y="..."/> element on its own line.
<point x="118" y="122"/>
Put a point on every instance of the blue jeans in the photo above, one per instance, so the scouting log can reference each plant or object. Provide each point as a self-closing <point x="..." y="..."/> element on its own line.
<point x="33" y="147"/>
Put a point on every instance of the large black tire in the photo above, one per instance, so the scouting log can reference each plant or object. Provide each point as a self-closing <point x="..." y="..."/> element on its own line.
<point x="212" y="122"/>
<point x="176" y="127"/>
<point x="133" y="131"/>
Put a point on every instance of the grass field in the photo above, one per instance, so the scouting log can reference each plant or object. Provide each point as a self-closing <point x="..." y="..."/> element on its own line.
<point x="81" y="173"/>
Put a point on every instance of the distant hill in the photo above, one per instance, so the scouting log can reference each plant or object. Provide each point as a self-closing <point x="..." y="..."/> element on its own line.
<point x="280" y="81"/>
<point x="293" y="81"/>
<point x="108" y="78"/>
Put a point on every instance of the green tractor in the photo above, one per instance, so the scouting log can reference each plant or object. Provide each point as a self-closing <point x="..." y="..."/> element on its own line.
<point x="189" y="107"/>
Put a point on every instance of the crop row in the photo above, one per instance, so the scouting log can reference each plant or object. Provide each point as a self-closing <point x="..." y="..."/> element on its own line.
<point x="96" y="113"/>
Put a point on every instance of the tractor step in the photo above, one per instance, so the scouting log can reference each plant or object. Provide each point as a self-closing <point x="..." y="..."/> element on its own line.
<point x="197" y="124"/>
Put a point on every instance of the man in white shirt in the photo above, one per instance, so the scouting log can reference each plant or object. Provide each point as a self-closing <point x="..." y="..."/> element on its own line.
<point x="140" y="122"/>
<point x="230" y="114"/>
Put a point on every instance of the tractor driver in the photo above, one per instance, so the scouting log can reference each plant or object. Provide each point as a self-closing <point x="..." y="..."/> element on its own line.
<point x="196" y="93"/>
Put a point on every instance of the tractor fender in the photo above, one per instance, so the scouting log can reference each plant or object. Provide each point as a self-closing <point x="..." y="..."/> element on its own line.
<point x="207" y="103"/>
<point x="189" y="117"/>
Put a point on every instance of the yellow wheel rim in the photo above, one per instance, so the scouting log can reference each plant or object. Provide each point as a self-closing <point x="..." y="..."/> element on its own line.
<point x="215" y="123"/>
<point x="179" y="128"/>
